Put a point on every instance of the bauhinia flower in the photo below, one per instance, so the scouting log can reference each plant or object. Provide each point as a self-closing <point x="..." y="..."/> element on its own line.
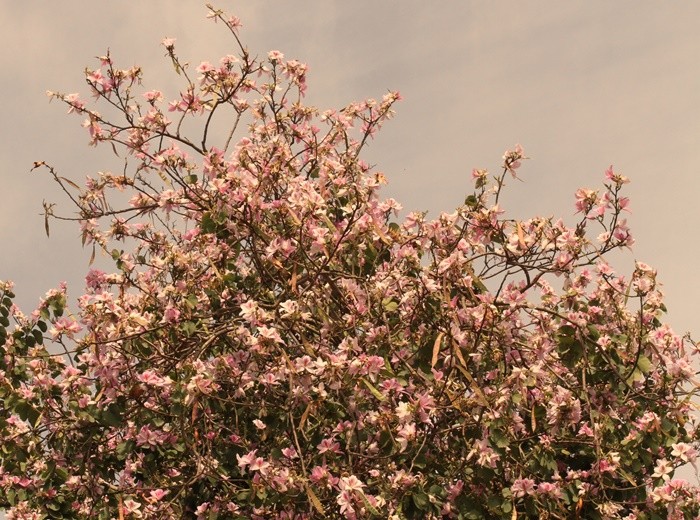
<point x="274" y="340"/>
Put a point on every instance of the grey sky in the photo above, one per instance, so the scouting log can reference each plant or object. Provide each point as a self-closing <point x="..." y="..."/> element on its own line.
<point x="579" y="84"/>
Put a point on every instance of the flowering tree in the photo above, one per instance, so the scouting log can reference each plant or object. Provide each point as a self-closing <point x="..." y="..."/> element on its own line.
<point x="274" y="343"/>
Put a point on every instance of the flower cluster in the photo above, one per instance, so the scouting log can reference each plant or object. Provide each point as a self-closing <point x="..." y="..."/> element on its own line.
<point x="275" y="343"/>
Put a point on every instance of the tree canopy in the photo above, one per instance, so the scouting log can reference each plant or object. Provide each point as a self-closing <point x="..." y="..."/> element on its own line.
<point x="275" y="342"/>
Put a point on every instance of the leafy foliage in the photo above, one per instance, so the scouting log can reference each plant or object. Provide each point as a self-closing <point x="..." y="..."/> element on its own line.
<point x="275" y="343"/>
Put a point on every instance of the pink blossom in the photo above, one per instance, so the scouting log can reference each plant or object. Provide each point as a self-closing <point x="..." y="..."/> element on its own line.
<point x="149" y="438"/>
<point x="132" y="507"/>
<point x="618" y="179"/>
<point x="95" y="76"/>
<point x="586" y="431"/>
<point x="663" y="470"/>
<point x="201" y="509"/>
<point x="259" y="464"/>
<point x="74" y="102"/>
<point x="270" y="333"/>
<point x="234" y="23"/>
<point x="152" y="378"/>
<point x="351" y="483"/>
<point x="275" y="56"/>
<point x="65" y="325"/>
<point x="328" y="446"/>
<point x="549" y="488"/>
<point x="157" y="494"/>
<point x="319" y="473"/>
<point x="511" y="159"/>
<point x="205" y="67"/>
<point x="246" y="459"/>
<point x="684" y="451"/>
<point x="522" y="487"/>
<point x="153" y="95"/>
<point x="171" y="314"/>
<point x="290" y="453"/>
<point x="345" y="501"/>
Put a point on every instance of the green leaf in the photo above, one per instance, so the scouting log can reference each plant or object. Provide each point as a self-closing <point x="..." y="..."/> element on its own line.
<point x="668" y="426"/>
<point x="29" y="341"/>
<point x="644" y="364"/>
<point x="636" y="375"/>
<point x="189" y="327"/>
<point x="386" y="443"/>
<point x="389" y="304"/>
<point x="437" y="491"/>
<point x="112" y="415"/>
<point x="26" y="412"/>
<point x="494" y="502"/>
<point x="207" y="224"/>
<point x="499" y="438"/>
<point x="593" y="332"/>
<point x="124" y="448"/>
<point x="61" y="474"/>
<point x="420" y="499"/>
<point x="244" y="496"/>
<point x="376" y="393"/>
<point x="420" y="460"/>
<point x="57" y="305"/>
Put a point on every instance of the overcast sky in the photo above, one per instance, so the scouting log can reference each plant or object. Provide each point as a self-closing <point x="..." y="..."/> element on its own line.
<point x="581" y="85"/>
